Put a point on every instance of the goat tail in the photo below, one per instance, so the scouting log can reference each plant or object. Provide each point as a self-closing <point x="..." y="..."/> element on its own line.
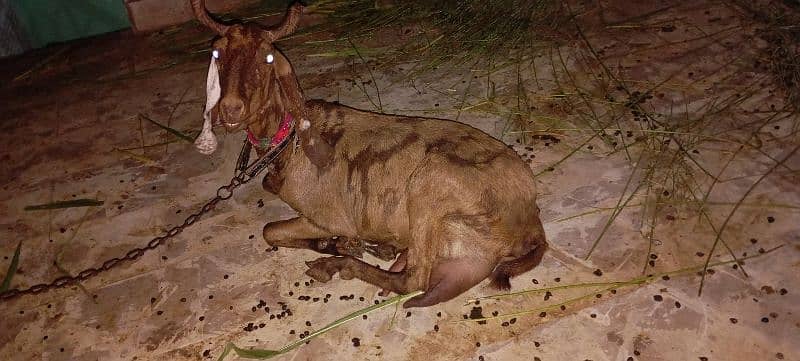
<point x="500" y="277"/>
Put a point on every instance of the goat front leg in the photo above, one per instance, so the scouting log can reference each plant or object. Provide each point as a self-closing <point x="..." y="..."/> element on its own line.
<point x="322" y="269"/>
<point x="300" y="233"/>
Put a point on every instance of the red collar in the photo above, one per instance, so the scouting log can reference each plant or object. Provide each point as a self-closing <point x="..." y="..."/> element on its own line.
<point x="283" y="132"/>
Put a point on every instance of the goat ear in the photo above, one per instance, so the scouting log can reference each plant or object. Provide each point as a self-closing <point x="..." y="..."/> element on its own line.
<point x="289" y="23"/>
<point x="206" y="142"/>
<point x="319" y="152"/>
<point x="290" y="88"/>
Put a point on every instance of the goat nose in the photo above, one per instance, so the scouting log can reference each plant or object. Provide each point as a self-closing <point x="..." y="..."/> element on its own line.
<point x="232" y="108"/>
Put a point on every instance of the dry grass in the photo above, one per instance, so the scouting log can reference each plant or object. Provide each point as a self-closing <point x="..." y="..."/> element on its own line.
<point x="780" y="27"/>
<point x="439" y="34"/>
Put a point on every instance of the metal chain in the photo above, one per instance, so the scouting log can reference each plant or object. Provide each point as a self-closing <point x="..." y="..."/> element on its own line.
<point x="242" y="176"/>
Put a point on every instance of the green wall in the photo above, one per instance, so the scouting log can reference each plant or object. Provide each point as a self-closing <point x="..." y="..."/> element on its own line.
<point x="50" y="21"/>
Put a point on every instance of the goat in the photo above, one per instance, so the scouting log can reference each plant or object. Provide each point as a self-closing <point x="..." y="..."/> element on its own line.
<point x="458" y="204"/>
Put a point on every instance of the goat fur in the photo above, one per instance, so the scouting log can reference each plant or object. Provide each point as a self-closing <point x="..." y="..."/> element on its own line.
<point x="460" y="204"/>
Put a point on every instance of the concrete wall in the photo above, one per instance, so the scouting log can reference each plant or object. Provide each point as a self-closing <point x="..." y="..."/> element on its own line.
<point x="150" y="15"/>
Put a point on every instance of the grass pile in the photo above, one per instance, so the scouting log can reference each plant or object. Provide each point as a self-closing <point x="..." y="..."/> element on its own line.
<point x="446" y="32"/>
<point x="779" y="27"/>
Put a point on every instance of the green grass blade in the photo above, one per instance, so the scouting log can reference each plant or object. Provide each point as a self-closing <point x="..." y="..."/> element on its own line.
<point x="258" y="354"/>
<point x="174" y="131"/>
<point x="73" y="203"/>
<point x="262" y="354"/>
<point x="12" y="269"/>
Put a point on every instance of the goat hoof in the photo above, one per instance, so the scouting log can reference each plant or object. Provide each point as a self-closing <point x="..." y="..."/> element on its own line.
<point x="322" y="269"/>
<point x="321" y="262"/>
<point x="318" y="274"/>
<point x="346" y="274"/>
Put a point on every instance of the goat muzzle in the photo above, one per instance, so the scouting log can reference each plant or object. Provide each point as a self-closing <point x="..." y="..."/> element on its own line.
<point x="232" y="111"/>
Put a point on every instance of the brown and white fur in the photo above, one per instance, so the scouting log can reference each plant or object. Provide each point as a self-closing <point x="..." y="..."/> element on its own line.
<point x="460" y="204"/>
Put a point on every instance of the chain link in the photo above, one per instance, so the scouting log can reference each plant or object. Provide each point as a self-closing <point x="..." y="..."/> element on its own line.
<point x="242" y="176"/>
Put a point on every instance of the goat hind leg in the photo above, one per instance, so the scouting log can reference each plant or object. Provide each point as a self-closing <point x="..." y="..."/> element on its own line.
<point x="450" y="278"/>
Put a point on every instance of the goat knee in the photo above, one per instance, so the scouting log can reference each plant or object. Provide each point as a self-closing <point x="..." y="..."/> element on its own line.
<point x="269" y="234"/>
<point x="295" y="233"/>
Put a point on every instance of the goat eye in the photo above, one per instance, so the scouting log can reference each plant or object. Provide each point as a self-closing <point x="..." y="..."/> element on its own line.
<point x="215" y="54"/>
<point x="270" y="58"/>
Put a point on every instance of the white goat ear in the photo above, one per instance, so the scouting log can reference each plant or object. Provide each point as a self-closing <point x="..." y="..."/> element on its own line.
<point x="206" y="142"/>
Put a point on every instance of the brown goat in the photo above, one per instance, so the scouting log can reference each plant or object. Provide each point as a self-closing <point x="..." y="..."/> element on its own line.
<point x="459" y="204"/>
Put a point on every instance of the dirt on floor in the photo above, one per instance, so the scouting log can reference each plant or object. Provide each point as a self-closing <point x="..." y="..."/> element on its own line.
<point x="659" y="136"/>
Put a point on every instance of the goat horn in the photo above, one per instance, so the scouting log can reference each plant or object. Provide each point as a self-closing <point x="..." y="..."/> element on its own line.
<point x="289" y="22"/>
<point x="199" y="8"/>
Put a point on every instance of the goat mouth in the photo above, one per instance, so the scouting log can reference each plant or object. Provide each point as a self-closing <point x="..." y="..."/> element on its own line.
<point x="231" y="126"/>
<point x="239" y="124"/>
